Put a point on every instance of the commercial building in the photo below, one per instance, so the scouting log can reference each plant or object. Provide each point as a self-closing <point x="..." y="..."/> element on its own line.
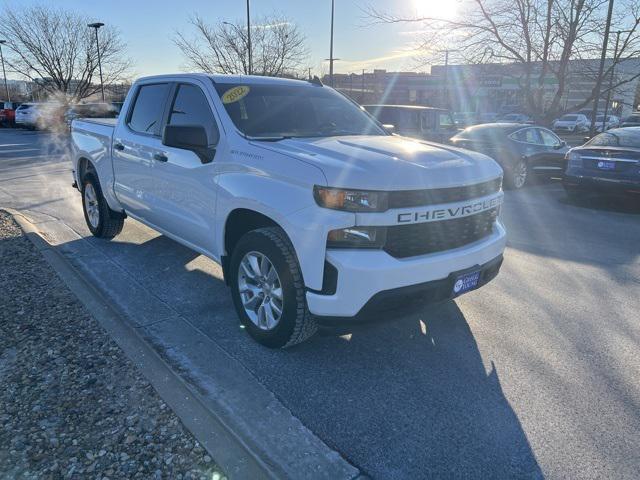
<point x="491" y="87"/>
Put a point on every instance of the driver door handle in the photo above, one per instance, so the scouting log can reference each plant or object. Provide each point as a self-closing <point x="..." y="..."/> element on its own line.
<point x="118" y="146"/>
<point x="161" y="157"/>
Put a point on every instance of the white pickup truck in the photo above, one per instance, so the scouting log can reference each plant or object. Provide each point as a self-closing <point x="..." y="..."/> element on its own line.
<point x="315" y="212"/>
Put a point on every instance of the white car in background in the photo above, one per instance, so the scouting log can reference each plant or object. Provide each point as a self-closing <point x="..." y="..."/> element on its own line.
<point x="612" y="121"/>
<point x="27" y="115"/>
<point x="572" y="123"/>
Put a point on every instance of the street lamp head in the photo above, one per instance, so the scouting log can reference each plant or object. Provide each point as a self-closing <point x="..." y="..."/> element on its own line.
<point x="95" y="25"/>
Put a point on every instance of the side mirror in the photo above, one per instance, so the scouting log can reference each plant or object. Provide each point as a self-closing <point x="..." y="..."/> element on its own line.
<point x="390" y="128"/>
<point x="189" y="137"/>
<point x="562" y="144"/>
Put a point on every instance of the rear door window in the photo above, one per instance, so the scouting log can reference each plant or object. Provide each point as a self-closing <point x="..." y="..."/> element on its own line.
<point x="190" y="107"/>
<point x="148" y="108"/>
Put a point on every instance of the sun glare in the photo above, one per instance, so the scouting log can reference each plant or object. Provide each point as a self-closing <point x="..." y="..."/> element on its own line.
<point x="436" y="8"/>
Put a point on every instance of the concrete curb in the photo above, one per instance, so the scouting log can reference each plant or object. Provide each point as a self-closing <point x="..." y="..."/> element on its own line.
<point x="239" y="455"/>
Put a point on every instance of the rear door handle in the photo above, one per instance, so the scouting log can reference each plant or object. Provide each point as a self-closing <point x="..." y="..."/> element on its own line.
<point x="161" y="157"/>
<point x="118" y="146"/>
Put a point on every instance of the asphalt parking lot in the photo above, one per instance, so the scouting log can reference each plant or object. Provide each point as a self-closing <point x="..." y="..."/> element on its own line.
<point x="537" y="375"/>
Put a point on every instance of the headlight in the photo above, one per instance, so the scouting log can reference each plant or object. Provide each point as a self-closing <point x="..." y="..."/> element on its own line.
<point x="350" y="200"/>
<point x="574" y="159"/>
<point x="357" y="237"/>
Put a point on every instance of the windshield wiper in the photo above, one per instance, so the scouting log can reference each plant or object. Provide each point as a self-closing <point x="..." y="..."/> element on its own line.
<point x="275" y="138"/>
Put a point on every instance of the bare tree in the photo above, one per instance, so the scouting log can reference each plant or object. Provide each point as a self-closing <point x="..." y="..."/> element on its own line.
<point x="539" y="38"/>
<point x="277" y="45"/>
<point x="55" y="49"/>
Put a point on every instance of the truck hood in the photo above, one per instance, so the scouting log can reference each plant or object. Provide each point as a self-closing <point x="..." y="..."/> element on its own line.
<point x="389" y="162"/>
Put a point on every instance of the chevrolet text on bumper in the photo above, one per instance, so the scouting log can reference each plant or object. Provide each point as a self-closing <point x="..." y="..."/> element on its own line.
<point x="315" y="213"/>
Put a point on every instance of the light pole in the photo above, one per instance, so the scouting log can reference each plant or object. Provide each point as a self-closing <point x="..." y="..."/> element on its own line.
<point x="331" y="46"/>
<point x="249" y="37"/>
<point x="603" y="56"/>
<point x="6" y="87"/>
<point x="96" y="26"/>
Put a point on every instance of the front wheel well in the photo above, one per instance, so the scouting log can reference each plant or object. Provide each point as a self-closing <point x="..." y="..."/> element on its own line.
<point x="239" y="222"/>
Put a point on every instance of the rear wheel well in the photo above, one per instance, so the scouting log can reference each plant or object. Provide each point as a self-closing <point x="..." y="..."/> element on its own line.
<point x="84" y="166"/>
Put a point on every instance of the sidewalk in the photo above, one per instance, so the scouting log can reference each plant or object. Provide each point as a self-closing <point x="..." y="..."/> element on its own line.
<point x="71" y="404"/>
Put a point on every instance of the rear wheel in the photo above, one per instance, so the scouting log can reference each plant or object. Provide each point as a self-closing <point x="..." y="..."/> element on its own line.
<point x="101" y="220"/>
<point x="574" y="193"/>
<point x="267" y="289"/>
<point x="518" y="175"/>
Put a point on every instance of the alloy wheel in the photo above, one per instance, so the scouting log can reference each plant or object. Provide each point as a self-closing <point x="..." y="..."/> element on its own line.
<point x="260" y="290"/>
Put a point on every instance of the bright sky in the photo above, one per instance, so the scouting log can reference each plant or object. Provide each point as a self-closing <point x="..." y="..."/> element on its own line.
<point x="147" y="27"/>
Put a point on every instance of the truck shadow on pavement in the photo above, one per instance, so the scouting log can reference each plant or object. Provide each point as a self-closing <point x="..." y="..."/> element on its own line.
<point x="407" y="397"/>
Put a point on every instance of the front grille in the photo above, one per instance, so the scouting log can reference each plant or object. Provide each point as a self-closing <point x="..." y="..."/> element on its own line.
<point x="430" y="237"/>
<point x="417" y="198"/>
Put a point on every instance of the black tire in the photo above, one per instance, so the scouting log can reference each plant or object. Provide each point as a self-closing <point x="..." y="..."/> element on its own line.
<point x="575" y="194"/>
<point x="296" y="324"/>
<point x="513" y="179"/>
<point x="110" y="222"/>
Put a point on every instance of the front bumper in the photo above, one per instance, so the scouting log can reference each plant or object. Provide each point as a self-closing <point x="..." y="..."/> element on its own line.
<point x="363" y="274"/>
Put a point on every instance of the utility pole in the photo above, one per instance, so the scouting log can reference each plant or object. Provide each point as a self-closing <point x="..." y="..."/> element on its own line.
<point x="249" y="38"/>
<point x="362" y="95"/>
<point x="613" y="70"/>
<point x="331" y="46"/>
<point x="6" y="87"/>
<point x="603" y="56"/>
<point x="446" y="79"/>
<point x="96" y="26"/>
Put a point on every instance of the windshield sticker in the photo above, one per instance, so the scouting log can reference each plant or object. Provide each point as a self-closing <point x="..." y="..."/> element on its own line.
<point x="234" y="94"/>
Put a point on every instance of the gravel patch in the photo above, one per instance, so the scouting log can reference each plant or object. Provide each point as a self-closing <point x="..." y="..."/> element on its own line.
<point x="71" y="403"/>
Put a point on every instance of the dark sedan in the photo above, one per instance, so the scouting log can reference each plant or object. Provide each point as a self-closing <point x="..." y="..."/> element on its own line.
<point x="608" y="163"/>
<point x="520" y="149"/>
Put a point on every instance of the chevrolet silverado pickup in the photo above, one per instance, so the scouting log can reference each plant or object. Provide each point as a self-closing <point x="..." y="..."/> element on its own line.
<point x="314" y="211"/>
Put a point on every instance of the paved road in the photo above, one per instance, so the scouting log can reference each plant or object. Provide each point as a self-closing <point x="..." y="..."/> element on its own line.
<point x="536" y="375"/>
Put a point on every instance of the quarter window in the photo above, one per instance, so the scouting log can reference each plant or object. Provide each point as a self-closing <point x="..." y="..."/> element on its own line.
<point x="527" y="135"/>
<point x="146" y="115"/>
<point x="191" y="107"/>
<point x="549" y="139"/>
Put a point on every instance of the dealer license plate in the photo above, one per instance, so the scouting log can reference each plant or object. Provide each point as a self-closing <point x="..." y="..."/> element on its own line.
<point x="606" y="165"/>
<point x="465" y="283"/>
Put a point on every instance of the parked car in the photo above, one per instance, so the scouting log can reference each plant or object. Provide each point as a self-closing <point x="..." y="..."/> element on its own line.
<point x="487" y="117"/>
<point x="426" y="123"/>
<point x="608" y="163"/>
<point x="612" y="121"/>
<point x="8" y="113"/>
<point x="632" y="120"/>
<point x="520" y="149"/>
<point x="27" y="115"/>
<point x="313" y="210"/>
<point x="572" y="123"/>
<point x="464" y="119"/>
<point x="515" y="118"/>
<point x="90" y="110"/>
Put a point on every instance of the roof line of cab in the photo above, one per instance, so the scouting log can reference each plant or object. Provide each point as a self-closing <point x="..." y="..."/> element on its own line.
<point x="244" y="79"/>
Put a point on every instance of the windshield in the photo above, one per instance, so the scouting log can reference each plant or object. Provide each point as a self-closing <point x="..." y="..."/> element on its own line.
<point x="569" y="118"/>
<point x="275" y="111"/>
<point x="617" y="138"/>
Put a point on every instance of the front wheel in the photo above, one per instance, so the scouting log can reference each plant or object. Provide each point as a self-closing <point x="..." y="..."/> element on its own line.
<point x="101" y="220"/>
<point x="517" y="176"/>
<point x="268" y="291"/>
